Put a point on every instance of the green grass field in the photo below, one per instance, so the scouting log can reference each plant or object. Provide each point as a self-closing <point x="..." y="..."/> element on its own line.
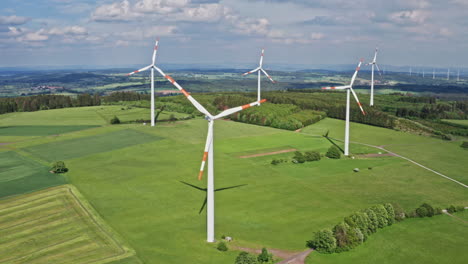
<point x="456" y="121"/>
<point x="40" y="130"/>
<point x="54" y="226"/>
<point x="73" y="148"/>
<point x="19" y="174"/>
<point x="440" y="239"/>
<point x="131" y="175"/>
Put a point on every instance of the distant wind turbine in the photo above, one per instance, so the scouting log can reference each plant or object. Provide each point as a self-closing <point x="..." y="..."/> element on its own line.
<point x="458" y="75"/>
<point x="349" y="89"/>
<point x="152" y="66"/>
<point x="374" y="64"/>
<point x="410" y="70"/>
<point x="260" y="69"/>
<point x="433" y="74"/>
<point x="448" y="74"/>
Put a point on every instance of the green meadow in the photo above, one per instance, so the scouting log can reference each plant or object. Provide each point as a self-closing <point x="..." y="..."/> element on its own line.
<point x="439" y="239"/>
<point x="130" y="174"/>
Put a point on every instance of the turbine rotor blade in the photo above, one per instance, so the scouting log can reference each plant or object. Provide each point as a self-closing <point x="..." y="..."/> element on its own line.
<point x="237" y="109"/>
<point x="355" y="73"/>
<point x="261" y="58"/>
<point x="357" y="101"/>
<point x="155" y="51"/>
<point x="252" y="71"/>
<point x="264" y="72"/>
<point x="197" y="105"/>
<point x="378" y="69"/>
<point x="140" y="70"/>
<point x="336" y="87"/>
<point x="375" y="55"/>
<point x="209" y="139"/>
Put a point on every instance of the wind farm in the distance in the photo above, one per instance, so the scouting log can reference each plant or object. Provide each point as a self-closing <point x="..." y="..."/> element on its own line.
<point x="204" y="132"/>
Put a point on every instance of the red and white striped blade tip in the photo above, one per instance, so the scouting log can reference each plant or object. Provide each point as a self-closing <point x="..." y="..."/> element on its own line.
<point x="200" y="175"/>
<point x="263" y="100"/>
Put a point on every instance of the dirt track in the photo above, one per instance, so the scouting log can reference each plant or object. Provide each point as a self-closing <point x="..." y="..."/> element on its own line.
<point x="288" y="257"/>
<point x="267" y="153"/>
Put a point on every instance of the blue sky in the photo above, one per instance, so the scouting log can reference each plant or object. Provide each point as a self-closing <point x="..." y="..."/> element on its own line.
<point x="122" y="32"/>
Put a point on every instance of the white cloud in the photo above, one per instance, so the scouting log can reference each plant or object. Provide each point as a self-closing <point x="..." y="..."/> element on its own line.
<point x="73" y="30"/>
<point x="202" y="13"/>
<point x="13" y="20"/>
<point x="119" y="11"/>
<point x="409" y="17"/>
<point x="33" y="37"/>
<point x="160" y="6"/>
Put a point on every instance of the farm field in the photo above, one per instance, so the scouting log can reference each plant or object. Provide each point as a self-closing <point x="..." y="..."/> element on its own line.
<point x="131" y="175"/>
<point x="409" y="242"/>
<point x="54" y="226"/>
<point x="439" y="155"/>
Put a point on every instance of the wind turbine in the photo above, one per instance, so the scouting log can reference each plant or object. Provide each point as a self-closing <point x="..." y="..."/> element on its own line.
<point x="410" y="70"/>
<point x="349" y="89"/>
<point x="458" y="75"/>
<point x="208" y="153"/>
<point x="260" y="69"/>
<point x="448" y="74"/>
<point x="433" y="74"/>
<point x="374" y="64"/>
<point x="152" y="66"/>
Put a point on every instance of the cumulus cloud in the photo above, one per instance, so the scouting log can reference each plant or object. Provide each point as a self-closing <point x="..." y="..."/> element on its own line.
<point x="160" y="6"/>
<point x="202" y="13"/>
<point x="119" y="11"/>
<point x="73" y="30"/>
<point x="13" y="20"/>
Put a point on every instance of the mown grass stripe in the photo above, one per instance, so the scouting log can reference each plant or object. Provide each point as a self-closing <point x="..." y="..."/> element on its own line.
<point x="30" y="210"/>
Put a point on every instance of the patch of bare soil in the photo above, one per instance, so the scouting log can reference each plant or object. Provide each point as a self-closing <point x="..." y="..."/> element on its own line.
<point x="267" y="153"/>
<point x="288" y="257"/>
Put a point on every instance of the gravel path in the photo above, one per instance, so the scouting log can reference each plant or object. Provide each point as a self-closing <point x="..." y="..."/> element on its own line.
<point x="288" y="257"/>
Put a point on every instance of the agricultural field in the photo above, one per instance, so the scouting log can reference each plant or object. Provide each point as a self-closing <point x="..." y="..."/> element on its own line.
<point x="54" y="226"/>
<point x="434" y="240"/>
<point x="131" y="175"/>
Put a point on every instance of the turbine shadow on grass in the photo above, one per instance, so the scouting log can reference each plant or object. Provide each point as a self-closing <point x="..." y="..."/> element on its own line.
<point x="331" y="141"/>
<point x="205" y="189"/>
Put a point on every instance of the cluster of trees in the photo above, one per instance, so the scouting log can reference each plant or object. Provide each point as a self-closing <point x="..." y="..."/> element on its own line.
<point x="247" y="258"/>
<point x="300" y="157"/>
<point x="59" y="167"/>
<point x="353" y="230"/>
<point x="46" y="101"/>
<point x="356" y="228"/>
<point x="283" y="116"/>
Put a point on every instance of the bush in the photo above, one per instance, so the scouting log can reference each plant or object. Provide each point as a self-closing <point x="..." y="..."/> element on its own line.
<point x="421" y="211"/>
<point x="299" y="157"/>
<point x="451" y="209"/>
<point x="347" y="237"/>
<point x="265" y="256"/>
<point x="246" y="258"/>
<point x="390" y="212"/>
<point x="399" y="212"/>
<point x="59" y="167"/>
<point x="359" y="220"/>
<point x="323" y="241"/>
<point x="115" y="120"/>
<point x="333" y="152"/>
<point x="275" y="162"/>
<point x="222" y="246"/>
<point x="373" y="222"/>
<point x="429" y="208"/>
<point x="381" y="214"/>
<point x="464" y="145"/>
<point x="312" y="156"/>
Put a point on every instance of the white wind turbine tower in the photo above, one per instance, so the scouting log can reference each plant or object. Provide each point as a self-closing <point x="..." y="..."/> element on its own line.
<point x="433" y="74"/>
<point x="152" y="66"/>
<point x="374" y="64"/>
<point x="410" y="70"/>
<point x="260" y="69"/>
<point x="349" y="89"/>
<point x="448" y="74"/>
<point x="208" y="148"/>
<point x="458" y="75"/>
